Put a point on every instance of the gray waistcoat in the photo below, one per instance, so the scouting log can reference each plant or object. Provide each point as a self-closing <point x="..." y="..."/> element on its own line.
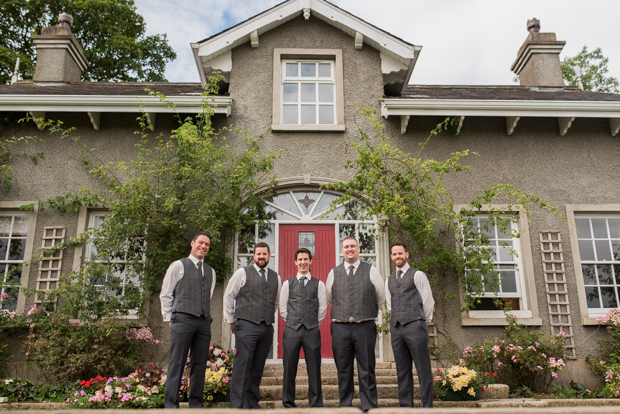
<point x="353" y="297"/>
<point x="256" y="300"/>
<point x="406" y="300"/>
<point x="192" y="294"/>
<point x="303" y="304"/>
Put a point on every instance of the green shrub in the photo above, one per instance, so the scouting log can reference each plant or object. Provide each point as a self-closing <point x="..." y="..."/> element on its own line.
<point x="68" y="351"/>
<point x="523" y="358"/>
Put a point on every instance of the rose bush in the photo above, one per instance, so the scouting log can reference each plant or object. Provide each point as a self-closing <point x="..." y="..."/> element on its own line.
<point x="523" y="358"/>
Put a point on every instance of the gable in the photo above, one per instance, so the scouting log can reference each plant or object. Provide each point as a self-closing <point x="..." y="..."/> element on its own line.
<point x="398" y="57"/>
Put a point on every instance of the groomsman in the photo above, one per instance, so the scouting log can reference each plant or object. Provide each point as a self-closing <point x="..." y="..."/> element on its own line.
<point x="409" y="298"/>
<point x="250" y="302"/>
<point x="355" y="291"/>
<point x="303" y="307"/>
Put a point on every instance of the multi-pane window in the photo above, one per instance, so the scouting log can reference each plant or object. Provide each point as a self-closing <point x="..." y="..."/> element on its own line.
<point x="308" y="93"/>
<point x="116" y="263"/>
<point x="599" y="248"/>
<point x="13" y="236"/>
<point x="506" y="258"/>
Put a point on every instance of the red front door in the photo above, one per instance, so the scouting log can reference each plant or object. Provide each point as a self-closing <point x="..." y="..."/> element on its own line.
<point x="321" y="241"/>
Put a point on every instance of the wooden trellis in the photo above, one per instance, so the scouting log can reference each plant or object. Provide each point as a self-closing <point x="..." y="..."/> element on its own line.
<point x="51" y="263"/>
<point x="557" y="288"/>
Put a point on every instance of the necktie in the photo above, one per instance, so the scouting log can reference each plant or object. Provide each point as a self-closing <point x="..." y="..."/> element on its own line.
<point x="262" y="275"/>
<point x="399" y="274"/>
<point x="351" y="270"/>
<point x="199" y="267"/>
<point x="303" y="281"/>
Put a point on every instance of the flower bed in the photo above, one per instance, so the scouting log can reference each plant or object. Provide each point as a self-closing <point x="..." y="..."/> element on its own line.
<point x="144" y="388"/>
<point x="460" y="383"/>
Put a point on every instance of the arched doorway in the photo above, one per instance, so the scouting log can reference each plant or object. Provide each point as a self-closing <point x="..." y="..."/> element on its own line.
<point x="301" y="219"/>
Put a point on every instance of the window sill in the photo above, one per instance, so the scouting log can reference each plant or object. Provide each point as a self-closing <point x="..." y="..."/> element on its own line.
<point x="497" y="318"/>
<point x="590" y="320"/>
<point x="306" y="128"/>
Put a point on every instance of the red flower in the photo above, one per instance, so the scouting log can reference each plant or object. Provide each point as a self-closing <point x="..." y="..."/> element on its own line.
<point x="482" y="389"/>
<point x="494" y="374"/>
<point x="438" y="370"/>
<point x="83" y="382"/>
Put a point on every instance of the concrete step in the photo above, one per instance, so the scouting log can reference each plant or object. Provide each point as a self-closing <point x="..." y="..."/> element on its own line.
<point x="327" y="380"/>
<point x="386" y="403"/>
<point x="275" y="366"/>
<point x="330" y="392"/>
<point x="329" y="372"/>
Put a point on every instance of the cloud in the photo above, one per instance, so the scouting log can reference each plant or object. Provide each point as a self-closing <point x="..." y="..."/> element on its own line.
<point x="470" y="42"/>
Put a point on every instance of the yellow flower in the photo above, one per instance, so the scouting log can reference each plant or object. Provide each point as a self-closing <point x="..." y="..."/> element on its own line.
<point x="471" y="392"/>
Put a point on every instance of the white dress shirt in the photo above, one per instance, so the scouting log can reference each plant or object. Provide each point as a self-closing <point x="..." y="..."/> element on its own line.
<point x="321" y="294"/>
<point x="236" y="282"/>
<point x="375" y="279"/>
<point x="424" y="288"/>
<point x="173" y="275"/>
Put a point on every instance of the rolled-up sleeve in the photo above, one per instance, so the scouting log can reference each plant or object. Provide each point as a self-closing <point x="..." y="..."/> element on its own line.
<point x="236" y="282"/>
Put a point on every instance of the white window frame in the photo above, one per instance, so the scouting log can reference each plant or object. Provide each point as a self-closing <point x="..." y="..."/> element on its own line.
<point x="317" y="81"/>
<point x="588" y="316"/>
<point x="13" y="208"/>
<point x="281" y="56"/>
<point x="86" y="218"/>
<point x="526" y="285"/>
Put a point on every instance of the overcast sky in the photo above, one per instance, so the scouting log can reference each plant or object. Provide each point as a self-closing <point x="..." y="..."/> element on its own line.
<point x="465" y="42"/>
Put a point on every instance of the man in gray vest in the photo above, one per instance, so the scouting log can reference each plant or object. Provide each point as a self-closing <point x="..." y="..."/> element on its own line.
<point x="250" y="303"/>
<point x="409" y="298"/>
<point x="185" y="304"/>
<point x="303" y="307"/>
<point x="355" y="292"/>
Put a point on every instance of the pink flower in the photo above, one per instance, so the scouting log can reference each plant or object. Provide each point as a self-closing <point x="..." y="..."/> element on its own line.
<point x="554" y="375"/>
<point x="225" y="379"/>
<point x="12" y="315"/>
<point x="4" y="296"/>
<point x="32" y="325"/>
<point x="561" y="334"/>
<point x="539" y="367"/>
<point x="602" y="319"/>
<point x="602" y="362"/>
<point x="499" y="363"/>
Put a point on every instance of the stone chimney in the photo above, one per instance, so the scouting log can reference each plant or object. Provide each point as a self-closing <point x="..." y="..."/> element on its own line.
<point x="538" y="60"/>
<point x="60" y="57"/>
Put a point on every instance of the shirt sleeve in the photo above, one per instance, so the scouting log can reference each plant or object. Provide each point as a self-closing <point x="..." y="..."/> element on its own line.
<point x="166" y="297"/>
<point x="328" y="287"/>
<point x="424" y="288"/>
<point x="213" y="282"/>
<point x="377" y="281"/>
<point x="284" y="301"/>
<point x="277" y="304"/>
<point x="322" y="301"/>
<point x="236" y="282"/>
<point x="388" y="296"/>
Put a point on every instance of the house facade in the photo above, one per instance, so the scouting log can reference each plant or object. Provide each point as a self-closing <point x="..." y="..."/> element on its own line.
<point x="296" y="75"/>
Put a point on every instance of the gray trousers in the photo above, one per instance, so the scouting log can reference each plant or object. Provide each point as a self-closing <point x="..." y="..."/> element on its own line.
<point x="188" y="331"/>
<point x="355" y="341"/>
<point x="410" y="343"/>
<point x="310" y="340"/>
<point x="253" y="343"/>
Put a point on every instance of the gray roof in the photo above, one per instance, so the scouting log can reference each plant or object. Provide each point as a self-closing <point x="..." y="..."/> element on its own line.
<point x="501" y="92"/>
<point x="102" y="88"/>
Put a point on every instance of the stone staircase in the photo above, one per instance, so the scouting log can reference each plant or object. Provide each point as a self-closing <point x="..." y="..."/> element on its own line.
<point x="387" y="386"/>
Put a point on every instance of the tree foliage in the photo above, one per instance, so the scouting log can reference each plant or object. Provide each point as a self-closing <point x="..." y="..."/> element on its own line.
<point x="408" y="195"/>
<point x="176" y="186"/>
<point x="591" y="69"/>
<point x="111" y="33"/>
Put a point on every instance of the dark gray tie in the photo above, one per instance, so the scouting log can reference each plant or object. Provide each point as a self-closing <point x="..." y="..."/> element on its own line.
<point x="262" y="275"/>
<point x="303" y="281"/>
<point x="351" y="270"/>
<point x="199" y="267"/>
<point x="399" y="274"/>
